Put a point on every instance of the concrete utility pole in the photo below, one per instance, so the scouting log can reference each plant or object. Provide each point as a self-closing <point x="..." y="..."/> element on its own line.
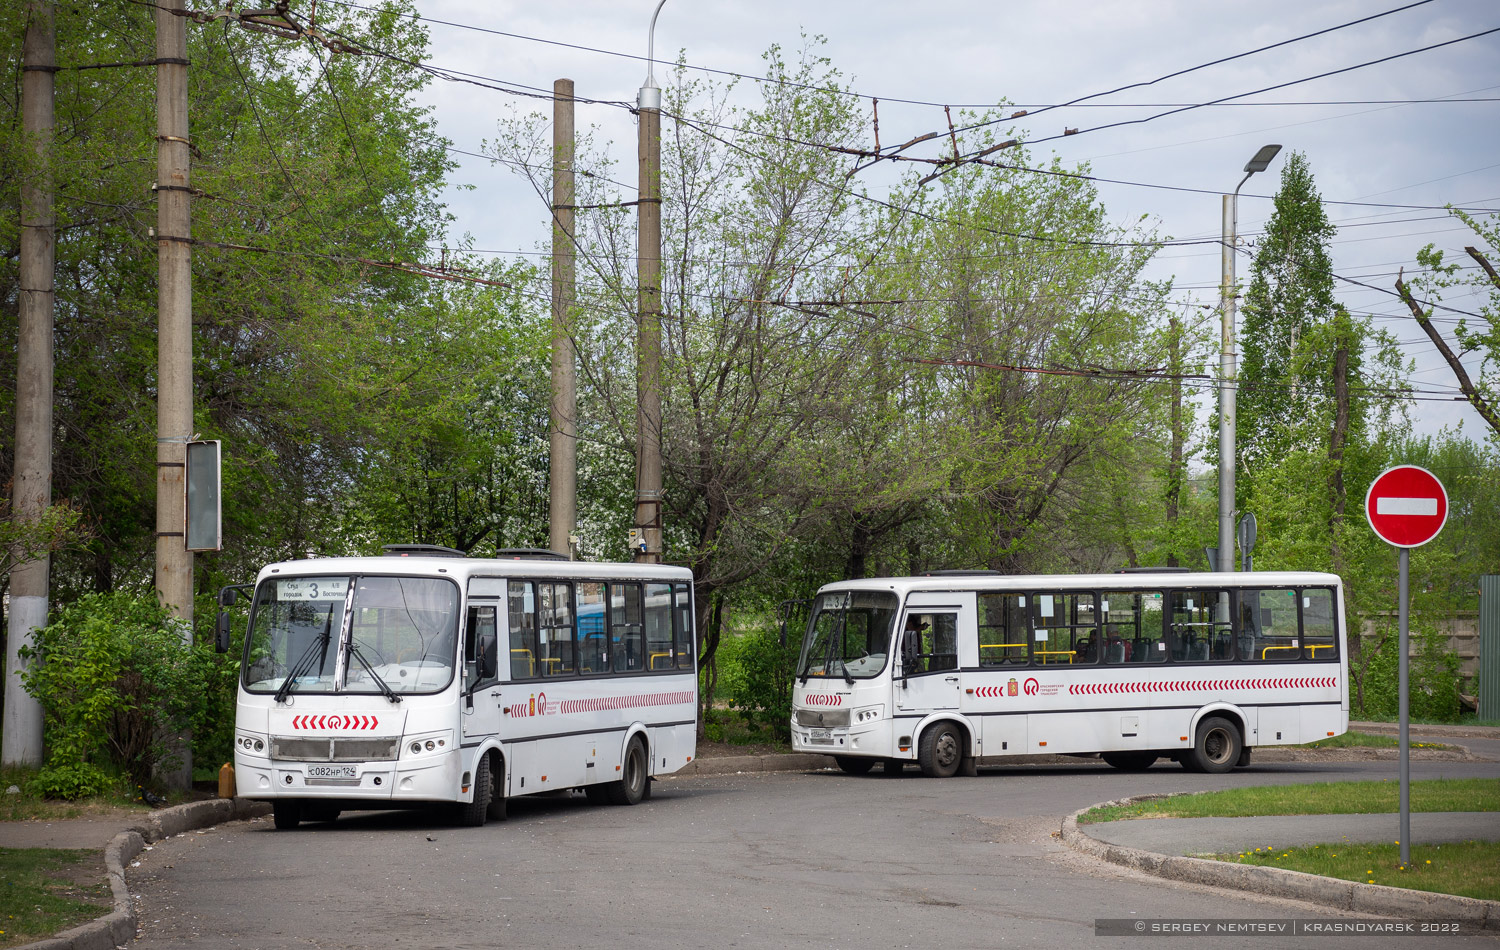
<point x="648" y="546"/>
<point x="174" y="354"/>
<point x="1227" y="368"/>
<point x="31" y="486"/>
<point x="563" y="455"/>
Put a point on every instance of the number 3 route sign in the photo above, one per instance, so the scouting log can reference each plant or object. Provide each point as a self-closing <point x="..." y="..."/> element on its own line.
<point x="1406" y="506"/>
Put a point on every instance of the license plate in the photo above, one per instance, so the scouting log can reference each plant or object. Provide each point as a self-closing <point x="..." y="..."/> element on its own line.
<point x="819" y="735"/>
<point x="330" y="771"/>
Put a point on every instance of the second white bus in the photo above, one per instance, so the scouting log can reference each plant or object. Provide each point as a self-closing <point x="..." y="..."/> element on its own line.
<point x="1196" y="667"/>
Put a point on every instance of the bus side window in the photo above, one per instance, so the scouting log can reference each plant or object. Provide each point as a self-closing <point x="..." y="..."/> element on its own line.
<point x="683" y="628"/>
<point x="555" y="628"/>
<point x="1268" y="630"/>
<point x="593" y="644"/>
<point x="625" y="627"/>
<point x="1319" y="631"/>
<point x="930" y="643"/>
<point x="479" y="635"/>
<point x="1002" y="630"/>
<point x="521" y="608"/>
<point x="659" y="627"/>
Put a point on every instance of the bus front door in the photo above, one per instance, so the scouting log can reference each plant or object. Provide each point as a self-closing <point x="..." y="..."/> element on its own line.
<point x="928" y="671"/>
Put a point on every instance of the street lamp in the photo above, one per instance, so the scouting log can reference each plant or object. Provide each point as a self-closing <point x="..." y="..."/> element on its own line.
<point x="1227" y="369"/>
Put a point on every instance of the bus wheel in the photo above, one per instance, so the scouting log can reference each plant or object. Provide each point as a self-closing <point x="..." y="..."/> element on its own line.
<point x="472" y="814"/>
<point x="1217" y="749"/>
<point x="941" y="751"/>
<point x="287" y="813"/>
<point x="1130" y="761"/>
<point x="854" y="765"/>
<point x="632" y="784"/>
<point x="497" y="809"/>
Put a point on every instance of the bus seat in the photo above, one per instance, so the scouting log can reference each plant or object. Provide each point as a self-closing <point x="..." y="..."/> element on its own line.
<point x="1140" y="648"/>
<point x="1198" y="650"/>
<point x="1114" y="651"/>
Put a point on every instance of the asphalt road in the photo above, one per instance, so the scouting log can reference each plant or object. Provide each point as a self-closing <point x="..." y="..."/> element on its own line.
<point x="755" y="860"/>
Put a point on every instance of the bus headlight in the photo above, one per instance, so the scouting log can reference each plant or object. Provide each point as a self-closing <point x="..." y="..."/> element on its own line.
<point x="429" y="743"/>
<point x="255" y="745"/>
<point x="869" y="713"/>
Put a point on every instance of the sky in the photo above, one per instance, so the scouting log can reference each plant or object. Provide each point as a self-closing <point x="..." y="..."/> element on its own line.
<point x="1371" y="151"/>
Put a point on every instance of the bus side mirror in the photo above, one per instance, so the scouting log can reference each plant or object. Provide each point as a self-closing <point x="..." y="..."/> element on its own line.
<point x="488" y="660"/>
<point x="221" y="631"/>
<point x="228" y="597"/>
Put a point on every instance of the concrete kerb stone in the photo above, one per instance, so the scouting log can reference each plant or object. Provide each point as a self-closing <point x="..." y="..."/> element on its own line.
<point x="117" y="928"/>
<point x="728" y="764"/>
<point x="1375" y="899"/>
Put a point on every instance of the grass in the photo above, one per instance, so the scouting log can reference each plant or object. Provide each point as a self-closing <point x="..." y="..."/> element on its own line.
<point x="1469" y="869"/>
<point x="1365" y="740"/>
<point x="47" y="890"/>
<point x="1322" y="798"/>
<point x="25" y="806"/>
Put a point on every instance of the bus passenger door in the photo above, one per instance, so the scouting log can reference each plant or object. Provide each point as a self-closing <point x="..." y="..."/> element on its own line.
<point x="927" y="671"/>
<point x="482" y="693"/>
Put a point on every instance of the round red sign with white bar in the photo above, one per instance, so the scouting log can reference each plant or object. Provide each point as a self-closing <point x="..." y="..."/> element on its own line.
<point x="1406" y="506"/>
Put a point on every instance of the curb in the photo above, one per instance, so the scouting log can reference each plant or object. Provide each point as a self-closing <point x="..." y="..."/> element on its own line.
<point x="117" y="928"/>
<point x="782" y="762"/>
<point x="1374" y="899"/>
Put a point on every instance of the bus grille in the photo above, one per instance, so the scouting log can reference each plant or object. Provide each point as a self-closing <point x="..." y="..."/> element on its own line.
<point x="823" y="718"/>
<point x="334" y="750"/>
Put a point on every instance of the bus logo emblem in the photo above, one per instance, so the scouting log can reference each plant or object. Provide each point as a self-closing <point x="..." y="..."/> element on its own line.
<point x="1031" y="686"/>
<point x="1010" y="688"/>
<point x="541" y="705"/>
<point x="532" y="710"/>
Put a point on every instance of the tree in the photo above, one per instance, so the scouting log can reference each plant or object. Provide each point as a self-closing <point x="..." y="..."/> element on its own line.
<point x="1290" y="295"/>
<point x="1482" y="338"/>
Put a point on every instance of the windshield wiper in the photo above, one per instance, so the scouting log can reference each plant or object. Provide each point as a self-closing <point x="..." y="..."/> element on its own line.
<point x="389" y="693"/>
<point x="305" y="662"/>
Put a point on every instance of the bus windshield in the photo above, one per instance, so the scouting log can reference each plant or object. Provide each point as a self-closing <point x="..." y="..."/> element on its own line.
<point x="396" y="635"/>
<point x="848" y="635"/>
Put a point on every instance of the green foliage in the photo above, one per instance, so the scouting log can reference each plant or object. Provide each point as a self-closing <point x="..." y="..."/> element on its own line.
<point x="763" y="691"/>
<point x="1433" y="693"/>
<point x="113" y="669"/>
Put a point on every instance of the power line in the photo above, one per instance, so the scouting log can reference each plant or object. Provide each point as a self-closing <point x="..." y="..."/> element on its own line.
<point x="976" y="155"/>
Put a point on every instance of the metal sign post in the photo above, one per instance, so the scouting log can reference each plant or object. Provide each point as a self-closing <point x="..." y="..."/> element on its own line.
<point x="1406" y="507"/>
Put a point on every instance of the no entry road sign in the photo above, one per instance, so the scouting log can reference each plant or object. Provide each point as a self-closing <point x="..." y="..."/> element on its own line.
<point x="1406" y="506"/>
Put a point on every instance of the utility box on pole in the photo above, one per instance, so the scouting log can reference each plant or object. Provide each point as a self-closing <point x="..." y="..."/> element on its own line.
<point x="205" y="496"/>
<point x="1489" y="646"/>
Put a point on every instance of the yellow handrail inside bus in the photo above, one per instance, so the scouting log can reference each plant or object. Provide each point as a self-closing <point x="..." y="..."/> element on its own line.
<point x="530" y="660"/>
<point x="1315" y="647"/>
<point x="1068" y="653"/>
<point x="1269" y="649"/>
<point x="657" y="656"/>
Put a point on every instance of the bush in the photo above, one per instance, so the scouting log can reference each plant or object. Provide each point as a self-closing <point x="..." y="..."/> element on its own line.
<point x="763" y="694"/>
<point x="1433" y="691"/>
<point x="115" y="683"/>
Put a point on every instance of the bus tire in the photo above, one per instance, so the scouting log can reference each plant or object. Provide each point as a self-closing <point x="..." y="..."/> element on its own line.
<point x="1130" y="761"/>
<point x="631" y="787"/>
<point x="1217" y="748"/>
<point x="286" y="813"/>
<point x="499" y="804"/>
<point x="473" y="814"/>
<point x="941" y="750"/>
<point x="854" y="765"/>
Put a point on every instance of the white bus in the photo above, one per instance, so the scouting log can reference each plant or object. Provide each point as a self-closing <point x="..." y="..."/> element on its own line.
<point x="426" y="676"/>
<point x="1136" y="666"/>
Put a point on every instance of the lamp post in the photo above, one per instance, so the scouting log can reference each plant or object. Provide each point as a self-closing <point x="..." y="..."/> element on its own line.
<point x="1227" y="368"/>
<point x="646" y="543"/>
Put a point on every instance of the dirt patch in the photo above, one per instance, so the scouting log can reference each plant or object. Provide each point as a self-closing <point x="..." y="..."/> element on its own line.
<point x="714" y="750"/>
